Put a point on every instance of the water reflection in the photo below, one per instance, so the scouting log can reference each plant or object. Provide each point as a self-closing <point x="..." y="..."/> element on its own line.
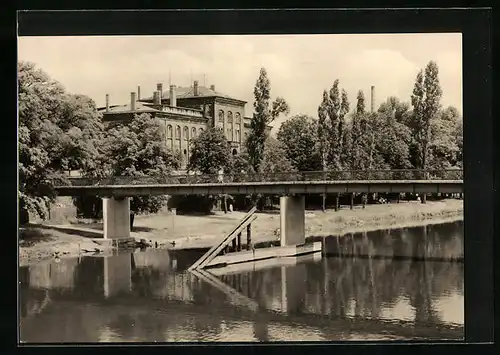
<point x="443" y="242"/>
<point x="150" y="297"/>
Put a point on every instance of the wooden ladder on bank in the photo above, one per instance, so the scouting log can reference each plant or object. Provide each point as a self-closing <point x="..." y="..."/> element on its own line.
<point x="236" y="232"/>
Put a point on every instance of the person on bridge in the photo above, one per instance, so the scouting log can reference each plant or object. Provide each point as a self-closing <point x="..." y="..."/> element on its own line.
<point x="220" y="176"/>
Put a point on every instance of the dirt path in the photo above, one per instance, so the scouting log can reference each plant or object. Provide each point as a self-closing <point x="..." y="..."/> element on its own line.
<point x="204" y="231"/>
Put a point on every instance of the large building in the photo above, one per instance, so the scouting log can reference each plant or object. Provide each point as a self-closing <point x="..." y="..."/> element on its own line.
<point x="184" y="113"/>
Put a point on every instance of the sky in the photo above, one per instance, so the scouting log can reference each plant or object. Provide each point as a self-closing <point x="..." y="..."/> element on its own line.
<point x="299" y="67"/>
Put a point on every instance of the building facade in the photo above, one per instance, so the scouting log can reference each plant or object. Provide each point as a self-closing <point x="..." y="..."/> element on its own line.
<point x="185" y="112"/>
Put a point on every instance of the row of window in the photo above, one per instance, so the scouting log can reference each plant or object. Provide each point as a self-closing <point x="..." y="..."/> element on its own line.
<point x="230" y="134"/>
<point x="186" y="132"/>
<point x="229" y="116"/>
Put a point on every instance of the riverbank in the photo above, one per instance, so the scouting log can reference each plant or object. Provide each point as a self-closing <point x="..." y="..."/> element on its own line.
<point x="42" y="241"/>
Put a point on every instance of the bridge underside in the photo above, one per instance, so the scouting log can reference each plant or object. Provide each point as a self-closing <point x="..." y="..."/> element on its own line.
<point x="283" y="188"/>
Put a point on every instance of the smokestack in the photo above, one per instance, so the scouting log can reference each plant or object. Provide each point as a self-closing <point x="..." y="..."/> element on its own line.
<point x="173" y="97"/>
<point x="138" y="93"/>
<point x="195" y="86"/>
<point x="132" y="101"/>
<point x="159" y="87"/>
<point x="373" y="99"/>
<point x="156" y="98"/>
<point x="212" y="87"/>
<point x="107" y="102"/>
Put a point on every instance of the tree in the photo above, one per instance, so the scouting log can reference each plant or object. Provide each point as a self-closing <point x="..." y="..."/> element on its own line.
<point x="323" y="129"/>
<point x="426" y="103"/>
<point x="49" y="143"/>
<point x="210" y="152"/>
<point x="261" y="118"/>
<point x="299" y="137"/>
<point x="446" y="140"/>
<point x="360" y="103"/>
<point x="344" y="133"/>
<point x="333" y="110"/>
<point x="138" y="149"/>
<point x="274" y="159"/>
<point x="393" y="137"/>
<point x="359" y="135"/>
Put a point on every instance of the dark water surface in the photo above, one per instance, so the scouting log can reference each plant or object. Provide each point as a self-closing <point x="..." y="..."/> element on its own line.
<point x="150" y="297"/>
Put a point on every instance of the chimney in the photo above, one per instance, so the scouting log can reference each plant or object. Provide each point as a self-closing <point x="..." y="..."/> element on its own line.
<point x="212" y="87"/>
<point x="107" y="102"/>
<point x="132" y="101"/>
<point x="156" y="98"/>
<point x="173" y="97"/>
<point x="159" y="87"/>
<point x="373" y="99"/>
<point x="195" y="88"/>
<point x="138" y="93"/>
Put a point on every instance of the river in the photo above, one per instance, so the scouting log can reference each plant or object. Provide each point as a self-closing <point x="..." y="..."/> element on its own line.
<point x="150" y="297"/>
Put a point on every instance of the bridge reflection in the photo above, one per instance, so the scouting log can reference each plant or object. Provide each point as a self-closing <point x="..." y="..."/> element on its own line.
<point x="148" y="297"/>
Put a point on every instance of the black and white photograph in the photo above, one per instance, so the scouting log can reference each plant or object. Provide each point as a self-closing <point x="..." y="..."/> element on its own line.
<point x="240" y="188"/>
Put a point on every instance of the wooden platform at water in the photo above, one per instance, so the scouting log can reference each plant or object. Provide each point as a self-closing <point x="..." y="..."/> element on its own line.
<point x="264" y="253"/>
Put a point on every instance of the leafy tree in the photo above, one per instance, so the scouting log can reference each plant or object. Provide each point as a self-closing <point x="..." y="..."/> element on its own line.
<point x="47" y="144"/>
<point x="275" y="159"/>
<point x="240" y="164"/>
<point x="393" y="137"/>
<point x="138" y="149"/>
<point x="210" y="152"/>
<point x="262" y="117"/>
<point x="446" y="140"/>
<point x="299" y="137"/>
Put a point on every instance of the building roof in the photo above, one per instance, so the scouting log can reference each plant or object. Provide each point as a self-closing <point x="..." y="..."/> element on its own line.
<point x="139" y="107"/>
<point x="188" y="92"/>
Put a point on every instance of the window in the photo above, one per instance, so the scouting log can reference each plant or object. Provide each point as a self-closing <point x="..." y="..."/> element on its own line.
<point x="193" y="132"/>
<point x="200" y="131"/>
<point x="238" y="136"/>
<point x="229" y="134"/>
<point x="221" y="115"/>
<point x="169" y="131"/>
<point x="186" y="133"/>
<point x="178" y="132"/>
<point x="238" y="118"/>
<point x="229" y="117"/>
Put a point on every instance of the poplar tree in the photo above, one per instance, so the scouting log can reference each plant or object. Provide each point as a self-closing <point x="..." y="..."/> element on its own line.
<point x="264" y="114"/>
<point x="426" y="103"/>
<point x="323" y="135"/>
<point x="333" y="110"/>
<point x="357" y="134"/>
<point x="344" y="133"/>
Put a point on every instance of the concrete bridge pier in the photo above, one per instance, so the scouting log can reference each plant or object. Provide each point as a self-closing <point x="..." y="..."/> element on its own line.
<point x="292" y="220"/>
<point x="116" y="217"/>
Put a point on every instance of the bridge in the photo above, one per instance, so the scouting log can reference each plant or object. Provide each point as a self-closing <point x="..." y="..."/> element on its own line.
<point x="117" y="190"/>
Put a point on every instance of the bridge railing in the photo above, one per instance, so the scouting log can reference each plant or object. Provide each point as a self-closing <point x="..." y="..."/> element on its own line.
<point x="351" y="175"/>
